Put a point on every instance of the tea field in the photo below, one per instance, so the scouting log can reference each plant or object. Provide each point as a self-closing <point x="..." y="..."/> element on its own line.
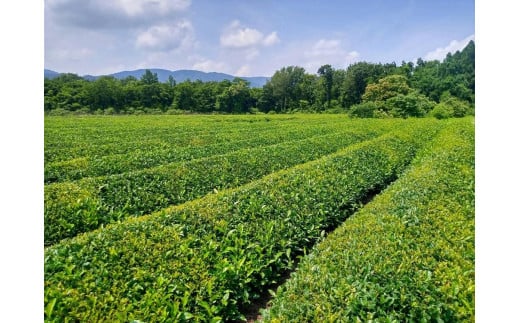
<point x="203" y="218"/>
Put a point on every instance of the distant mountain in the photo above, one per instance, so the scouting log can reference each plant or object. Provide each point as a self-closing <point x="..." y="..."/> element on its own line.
<point x="50" y="74"/>
<point x="179" y="76"/>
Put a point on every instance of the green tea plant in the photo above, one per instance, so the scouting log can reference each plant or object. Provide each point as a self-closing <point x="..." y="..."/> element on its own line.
<point x="408" y="256"/>
<point x="75" y="207"/>
<point x="93" y="137"/>
<point x="205" y="260"/>
<point x="134" y="156"/>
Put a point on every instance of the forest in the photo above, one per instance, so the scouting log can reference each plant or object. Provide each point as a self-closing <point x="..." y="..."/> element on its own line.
<point x="368" y="90"/>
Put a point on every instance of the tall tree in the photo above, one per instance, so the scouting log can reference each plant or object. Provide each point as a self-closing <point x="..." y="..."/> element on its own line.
<point x="386" y="88"/>
<point x="184" y="99"/>
<point x="106" y="92"/>
<point x="357" y="77"/>
<point x="205" y="96"/>
<point x="67" y="91"/>
<point x="171" y="81"/>
<point x="149" y="78"/>
<point x="426" y="78"/>
<point x="326" y="72"/>
<point x="236" y="98"/>
<point x="131" y="92"/>
<point x="150" y="90"/>
<point x="284" y="88"/>
<point x="455" y="74"/>
<point x="309" y="93"/>
<point x="337" y="83"/>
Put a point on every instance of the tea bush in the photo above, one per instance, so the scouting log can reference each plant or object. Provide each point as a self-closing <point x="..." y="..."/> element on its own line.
<point x="113" y="198"/>
<point x="408" y="256"/>
<point x="207" y="259"/>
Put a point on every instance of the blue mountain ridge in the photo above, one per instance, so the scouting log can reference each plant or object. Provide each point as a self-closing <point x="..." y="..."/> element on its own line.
<point x="178" y="75"/>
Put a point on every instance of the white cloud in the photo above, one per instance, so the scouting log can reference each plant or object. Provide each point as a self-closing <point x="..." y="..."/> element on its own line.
<point x="353" y="55"/>
<point x="209" y="65"/>
<point x="271" y="39"/>
<point x="325" y="47"/>
<point x="441" y="52"/>
<point x="327" y="51"/>
<point x="72" y="54"/>
<point x="244" y="70"/>
<point x="251" y="53"/>
<point x="241" y="38"/>
<point x="166" y="36"/>
<point x="140" y="7"/>
<point x="240" y="45"/>
<point x="238" y="36"/>
<point x="103" y="14"/>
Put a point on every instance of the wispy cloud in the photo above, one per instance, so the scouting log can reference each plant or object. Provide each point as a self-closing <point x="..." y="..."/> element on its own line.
<point x="441" y="52"/>
<point x="244" y="70"/>
<point x="208" y="65"/>
<point x="328" y="51"/>
<point x="166" y="36"/>
<point x="145" y="7"/>
<point x="102" y="14"/>
<point x="271" y="39"/>
<point x="94" y="36"/>
<point x="73" y="54"/>
<point x="238" y="36"/>
<point x="240" y="45"/>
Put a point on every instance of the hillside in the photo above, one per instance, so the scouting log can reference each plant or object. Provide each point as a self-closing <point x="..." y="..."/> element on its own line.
<point x="179" y="76"/>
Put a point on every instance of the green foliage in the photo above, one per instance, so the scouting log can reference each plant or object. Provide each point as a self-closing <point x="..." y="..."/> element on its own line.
<point x="386" y="88"/>
<point x="451" y="106"/>
<point x="409" y="255"/>
<point x="442" y="111"/>
<point x="327" y="73"/>
<point x="391" y="96"/>
<point x="115" y="197"/>
<point x="59" y="112"/>
<point x="208" y="258"/>
<point x="125" y="145"/>
<point x="335" y="109"/>
<point x="290" y="89"/>
<point x="172" y="111"/>
<point x="184" y="98"/>
<point x="146" y="181"/>
<point x="459" y="107"/>
<point x="426" y="78"/>
<point x="283" y="90"/>
<point x="456" y="74"/>
<point x="357" y="77"/>
<point x="105" y="92"/>
<point x="412" y="104"/>
<point x="149" y="78"/>
<point x="235" y="99"/>
<point x="364" y="110"/>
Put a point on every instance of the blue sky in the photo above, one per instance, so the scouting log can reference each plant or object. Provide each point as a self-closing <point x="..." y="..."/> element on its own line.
<point x="248" y="38"/>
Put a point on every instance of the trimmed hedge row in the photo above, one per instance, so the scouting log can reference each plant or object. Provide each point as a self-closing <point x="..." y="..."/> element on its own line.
<point x="207" y="259"/>
<point x="76" y="138"/>
<point x="137" y="158"/>
<point x="408" y="256"/>
<point x="65" y="134"/>
<point x="124" y="142"/>
<point x="75" y="207"/>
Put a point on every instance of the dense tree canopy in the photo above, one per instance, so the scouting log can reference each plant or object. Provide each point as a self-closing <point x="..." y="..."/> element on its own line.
<point x="386" y="88"/>
<point x="327" y="73"/>
<point x="358" y="76"/>
<point x="442" y="89"/>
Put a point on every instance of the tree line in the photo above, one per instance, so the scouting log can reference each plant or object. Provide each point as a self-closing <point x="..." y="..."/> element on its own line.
<point x="442" y="89"/>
